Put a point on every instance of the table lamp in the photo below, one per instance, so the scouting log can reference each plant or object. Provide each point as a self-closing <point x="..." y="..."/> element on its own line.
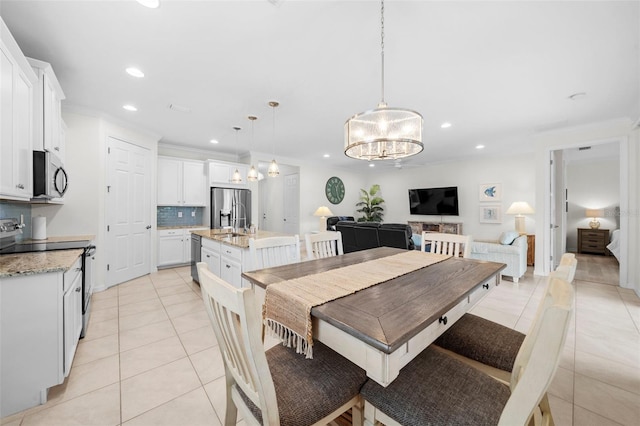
<point x="594" y="214"/>
<point x="520" y="208"/>
<point x="323" y="212"/>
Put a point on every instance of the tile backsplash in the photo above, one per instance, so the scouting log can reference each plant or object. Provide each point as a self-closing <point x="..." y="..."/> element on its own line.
<point x="10" y="210"/>
<point x="170" y="216"/>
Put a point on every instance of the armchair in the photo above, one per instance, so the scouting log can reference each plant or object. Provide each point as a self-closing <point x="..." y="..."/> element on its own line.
<point x="513" y="254"/>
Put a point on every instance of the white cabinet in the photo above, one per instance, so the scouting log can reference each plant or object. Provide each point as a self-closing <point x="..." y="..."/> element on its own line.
<point x="40" y="323"/>
<point x="47" y="107"/>
<point x="181" y="182"/>
<point x="210" y="254"/>
<point x="174" y="246"/>
<point x="225" y="261"/>
<point x="220" y="173"/>
<point x="16" y="120"/>
<point x="72" y="313"/>
<point x="231" y="265"/>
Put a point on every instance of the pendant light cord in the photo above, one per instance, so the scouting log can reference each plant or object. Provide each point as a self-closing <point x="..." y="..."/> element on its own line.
<point x="382" y="47"/>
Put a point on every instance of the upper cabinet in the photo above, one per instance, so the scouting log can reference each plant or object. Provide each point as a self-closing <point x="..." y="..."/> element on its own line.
<point x="48" y="129"/>
<point x="220" y="174"/>
<point x="17" y="81"/>
<point x="181" y="182"/>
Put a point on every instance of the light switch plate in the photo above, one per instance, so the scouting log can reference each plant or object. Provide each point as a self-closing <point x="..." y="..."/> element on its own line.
<point x="179" y="214"/>
<point x="193" y="214"/>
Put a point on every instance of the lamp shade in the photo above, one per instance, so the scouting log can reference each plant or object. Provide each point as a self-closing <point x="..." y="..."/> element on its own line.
<point x="323" y="211"/>
<point x="520" y="208"/>
<point x="594" y="213"/>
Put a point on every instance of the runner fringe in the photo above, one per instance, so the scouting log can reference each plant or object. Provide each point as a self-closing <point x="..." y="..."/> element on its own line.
<point x="289" y="338"/>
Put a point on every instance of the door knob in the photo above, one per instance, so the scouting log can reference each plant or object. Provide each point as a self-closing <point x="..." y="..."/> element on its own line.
<point x="148" y="226"/>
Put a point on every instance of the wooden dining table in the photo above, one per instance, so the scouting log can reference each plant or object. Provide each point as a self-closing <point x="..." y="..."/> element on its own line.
<point x="383" y="327"/>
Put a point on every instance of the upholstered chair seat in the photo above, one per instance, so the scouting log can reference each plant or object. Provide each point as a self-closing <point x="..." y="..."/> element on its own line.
<point x="436" y="389"/>
<point x="307" y="390"/>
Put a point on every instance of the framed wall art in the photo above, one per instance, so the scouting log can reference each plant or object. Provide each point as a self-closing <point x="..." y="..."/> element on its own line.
<point x="491" y="213"/>
<point x="490" y="192"/>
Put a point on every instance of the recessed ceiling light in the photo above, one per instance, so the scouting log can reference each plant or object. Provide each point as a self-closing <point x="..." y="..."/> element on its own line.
<point x="326" y="155"/>
<point x="479" y="146"/>
<point x="445" y="125"/>
<point x="151" y="4"/>
<point x="214" y="141"/>
<point x="134" y="72"/>
<point x="180" y="108"/>
<point x="371" y="165"/>
<point x="129" y="107"/>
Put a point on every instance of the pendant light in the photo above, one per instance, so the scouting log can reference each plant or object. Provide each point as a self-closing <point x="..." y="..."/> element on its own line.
<point x="252" y="176"/>
<point x="383" y="133"/>
<point x="273" y="170"/>
<point x="236" y="178"/>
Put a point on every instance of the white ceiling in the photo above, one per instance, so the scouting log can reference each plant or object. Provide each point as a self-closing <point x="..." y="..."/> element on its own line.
<point x="499" y="71"/>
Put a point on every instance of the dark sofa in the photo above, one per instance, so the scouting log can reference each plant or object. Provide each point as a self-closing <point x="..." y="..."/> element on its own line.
<point x="332" y="220"/>
<point x="365" y="235"/>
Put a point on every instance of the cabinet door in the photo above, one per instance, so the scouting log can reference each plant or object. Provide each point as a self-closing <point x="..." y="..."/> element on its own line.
<point x="7" y="146"/>
<point x="212" y="259"/>
<point x="186" y="251"/>
<point x="219" y="173"/>
<point x="194" y="192"/>
<point x="23" y="134"/>
<point x="171" y="249"/>
<point x="72" y="320"/>
<point x="230" y="271"/>
<point x="169" y="182"/>
<point x="52" y="116"/>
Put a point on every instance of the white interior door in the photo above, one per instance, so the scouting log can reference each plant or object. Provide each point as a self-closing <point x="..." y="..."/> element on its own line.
<point x="558" y="207"/>
<point x="128" y="211"/>
<point x="291" y="205"/>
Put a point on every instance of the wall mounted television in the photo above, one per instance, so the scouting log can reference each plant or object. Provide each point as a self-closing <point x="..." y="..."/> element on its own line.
<point x="434" y="201"/>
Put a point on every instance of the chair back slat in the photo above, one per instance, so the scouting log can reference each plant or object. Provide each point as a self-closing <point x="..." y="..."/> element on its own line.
<point x="238" y="328"/>
<point x="539" y="355"/>
<point x="274" y="251"/>
<point x="450" y="244"/>
<point x="323" y="244"/>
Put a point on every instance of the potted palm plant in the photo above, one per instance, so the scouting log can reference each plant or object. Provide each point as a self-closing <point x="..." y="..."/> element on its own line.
<point x="370" y="205"/>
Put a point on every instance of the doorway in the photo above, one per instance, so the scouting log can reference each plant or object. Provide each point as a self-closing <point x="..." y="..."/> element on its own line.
<point x="279" y="199"/>
<point x="583" y="179"/>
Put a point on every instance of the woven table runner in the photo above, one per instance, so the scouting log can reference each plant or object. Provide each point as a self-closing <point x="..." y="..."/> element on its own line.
<point x="287" y="308"/>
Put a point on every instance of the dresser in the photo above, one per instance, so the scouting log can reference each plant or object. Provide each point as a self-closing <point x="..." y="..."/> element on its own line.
<point x="593" y="241"/>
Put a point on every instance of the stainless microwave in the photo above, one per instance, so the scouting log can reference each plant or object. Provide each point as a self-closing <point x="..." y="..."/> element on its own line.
<point x="50" y="179"/>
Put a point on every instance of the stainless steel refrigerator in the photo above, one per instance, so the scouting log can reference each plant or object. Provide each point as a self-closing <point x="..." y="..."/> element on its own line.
<point x="230" y="208"/>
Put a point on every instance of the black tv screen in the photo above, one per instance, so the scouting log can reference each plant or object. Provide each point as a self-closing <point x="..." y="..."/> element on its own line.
<point x="434" y="201"/>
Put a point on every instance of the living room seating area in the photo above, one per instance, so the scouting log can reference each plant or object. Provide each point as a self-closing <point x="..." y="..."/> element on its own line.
<point x="365" y="235"/>
<point x="510" y="249"/>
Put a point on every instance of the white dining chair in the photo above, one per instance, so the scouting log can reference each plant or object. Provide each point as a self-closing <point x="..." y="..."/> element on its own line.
<point x="274" y="251"/>
<point x="278" y="386"/>
<point x="323" y="244"/>
<point x="436" y="388"/>
<point x="451" y="244"/>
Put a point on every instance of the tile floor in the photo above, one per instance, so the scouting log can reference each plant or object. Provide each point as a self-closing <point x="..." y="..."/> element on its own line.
<point x="150" y="356"/>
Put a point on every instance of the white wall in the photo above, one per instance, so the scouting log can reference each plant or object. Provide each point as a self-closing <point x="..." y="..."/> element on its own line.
<point x="516" y="174"/>
<point x="589" y="190"/>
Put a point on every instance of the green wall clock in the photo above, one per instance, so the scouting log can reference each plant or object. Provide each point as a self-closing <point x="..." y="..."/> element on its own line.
<point x="334" y="189"/>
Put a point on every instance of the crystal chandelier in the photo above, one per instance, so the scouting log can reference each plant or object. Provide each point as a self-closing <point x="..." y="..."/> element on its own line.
<point x="273" y="170"/>
<point x="236" y="178"/>
<point x="383" y="133"/>
<point x="252" y="176"/>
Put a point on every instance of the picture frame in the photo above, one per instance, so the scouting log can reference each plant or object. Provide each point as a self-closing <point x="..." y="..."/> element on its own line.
<point x="490" y="192"/>
<point x="491" y="213"/>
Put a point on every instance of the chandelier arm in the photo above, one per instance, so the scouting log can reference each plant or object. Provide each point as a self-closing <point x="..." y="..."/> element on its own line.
<point x="382" y="49"/>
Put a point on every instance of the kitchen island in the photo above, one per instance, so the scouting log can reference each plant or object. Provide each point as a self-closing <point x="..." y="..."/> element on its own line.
<point x="227" y="253"/>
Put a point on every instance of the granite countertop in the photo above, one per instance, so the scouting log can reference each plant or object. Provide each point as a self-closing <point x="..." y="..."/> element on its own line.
<point x="236" y="239"/>
<point x="87" y="237"/>
<point x="37" y="263"/>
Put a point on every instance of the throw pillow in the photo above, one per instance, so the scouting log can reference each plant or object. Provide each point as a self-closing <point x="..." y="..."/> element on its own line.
<point x="508" y="237"/>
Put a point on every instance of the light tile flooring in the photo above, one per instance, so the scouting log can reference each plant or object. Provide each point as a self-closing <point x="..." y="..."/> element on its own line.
<point x="150" y="356"/>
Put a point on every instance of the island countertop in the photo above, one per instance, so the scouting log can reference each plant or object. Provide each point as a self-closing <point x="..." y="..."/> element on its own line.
<point x="236" y="239"/>
<point x="37" y="263"/>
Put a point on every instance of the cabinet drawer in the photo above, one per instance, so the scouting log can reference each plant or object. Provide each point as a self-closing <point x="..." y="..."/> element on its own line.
<point x="480" y="292"/>
<point x="231" y="252"/>
<point x="211" y="244"/>
<point x="170" y="232"/>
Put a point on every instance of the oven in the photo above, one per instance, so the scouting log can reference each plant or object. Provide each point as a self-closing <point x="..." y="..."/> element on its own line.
<point x="50" y="179"/>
